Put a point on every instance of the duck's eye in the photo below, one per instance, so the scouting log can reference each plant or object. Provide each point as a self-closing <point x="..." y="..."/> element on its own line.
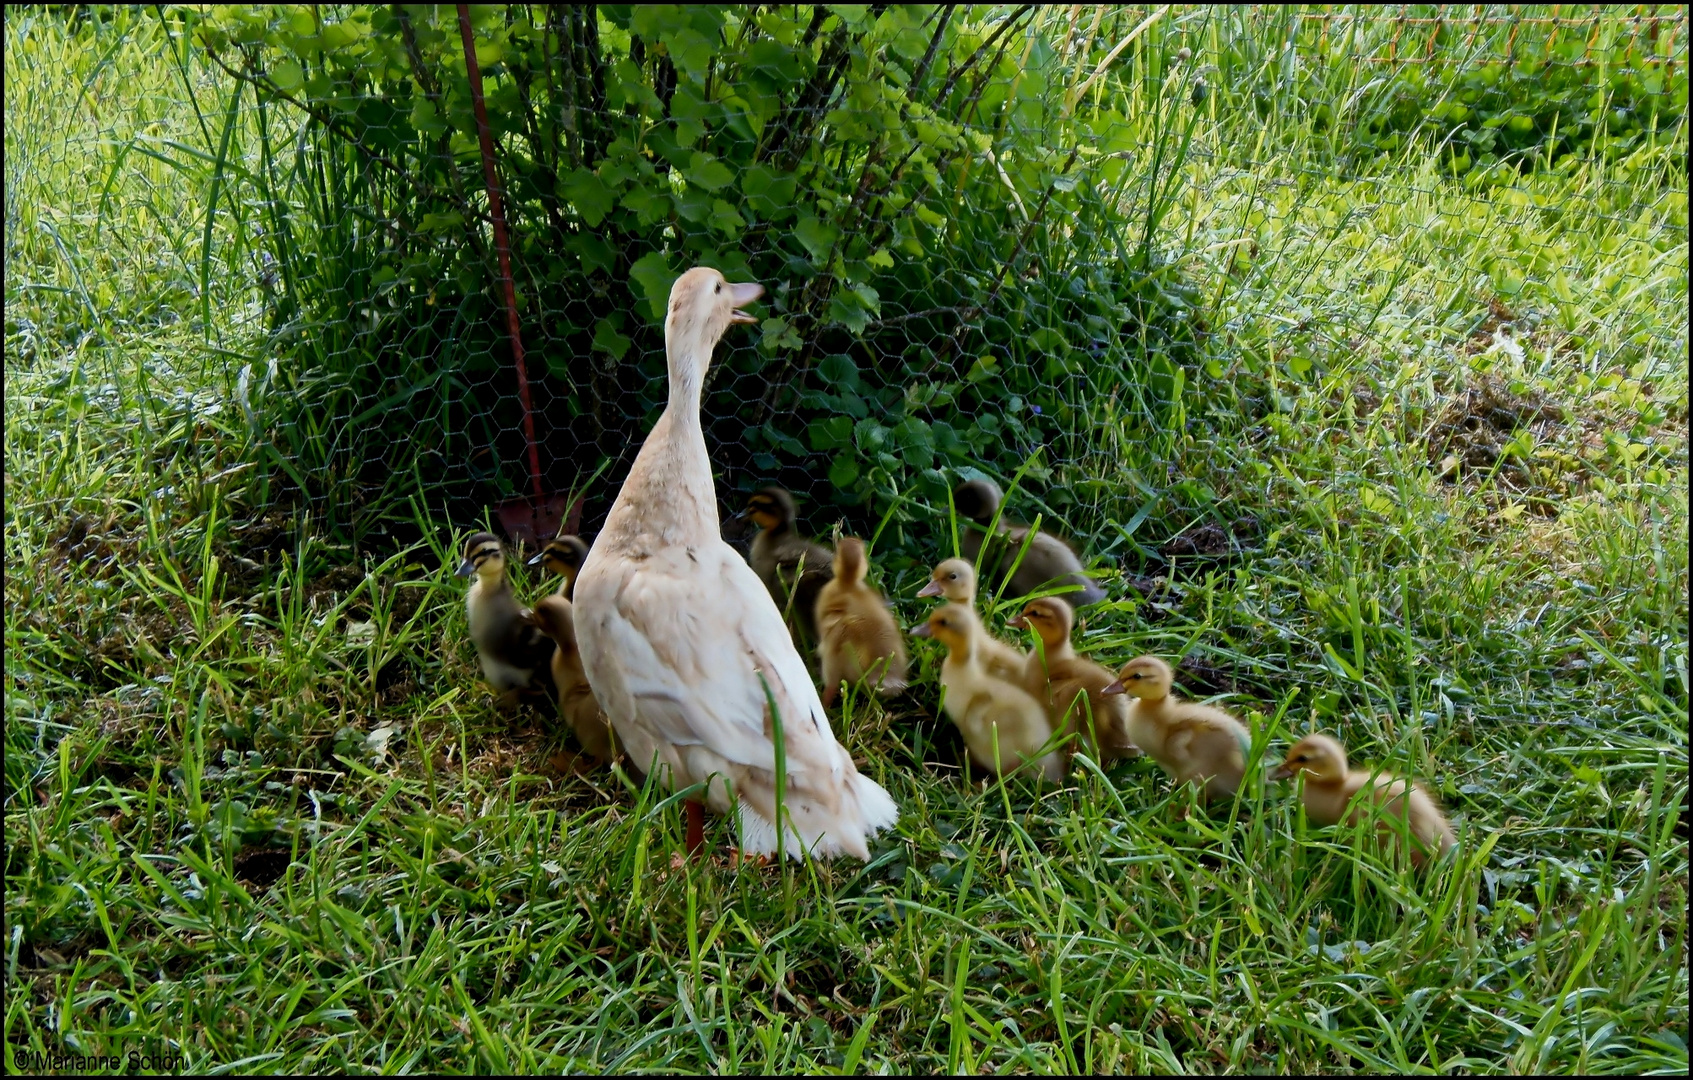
<point x="719" y="288"/>
<point x="952" y="577"/>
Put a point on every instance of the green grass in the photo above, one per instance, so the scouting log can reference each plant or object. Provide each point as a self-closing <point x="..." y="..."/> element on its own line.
<point x="239" y="833"/>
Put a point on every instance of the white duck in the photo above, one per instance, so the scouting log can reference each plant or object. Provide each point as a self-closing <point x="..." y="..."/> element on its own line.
<point x="676" y="630"/>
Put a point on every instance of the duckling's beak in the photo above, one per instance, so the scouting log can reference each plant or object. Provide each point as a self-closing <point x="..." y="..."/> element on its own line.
<point x="1017" y="622"/>
<point x="922" y="630"/>
<point x="933" y="588"/>
<point x="535" y="559"/>
<point x="743" y="295"/>
<point x="1114" y="688"/>
<point x="1283" y="772"/>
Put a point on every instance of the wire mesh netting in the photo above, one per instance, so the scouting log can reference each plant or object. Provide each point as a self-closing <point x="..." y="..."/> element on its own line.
<point x="989" y="235"/>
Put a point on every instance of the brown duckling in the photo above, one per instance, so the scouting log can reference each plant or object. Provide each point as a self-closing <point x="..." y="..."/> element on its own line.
<point x="786" y="561"/>
<point x="988" y="710"/>
<point x="1071" y="686"/>
<point x="1194" y="743"/>
<point x="1332" y="794"/>
<point x="515" y="655"/>
<point x="564" y="556"/>
<point x="955" y="579"/>
<point x="858" y="637"/>
<point x="576" y="702"/>
<point x="1048" y="562"/>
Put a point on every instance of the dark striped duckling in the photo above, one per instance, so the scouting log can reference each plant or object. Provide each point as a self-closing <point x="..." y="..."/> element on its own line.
<point x="784" y="560"/>
<point x="516" y="656"/>
<point x="1048" y="562"/>
<point x="564" y="556"/>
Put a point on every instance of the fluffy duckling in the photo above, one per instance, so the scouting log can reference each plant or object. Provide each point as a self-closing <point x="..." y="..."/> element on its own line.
<point x="857" y="633"/>
<point x="684" y="646"/>
<point x="564" y="556"/>
<point x="955" y="579"/>
<point x="515" y="654"/>
<point x="1194" y="743"/>
<point x="1071" y="686"/>
<point x="576" y="702"/>
<point x="785" y="560"/>
<point x="987" y="709"/>
<point x="1048" y="562"/>
<point x="1331" y="787"/>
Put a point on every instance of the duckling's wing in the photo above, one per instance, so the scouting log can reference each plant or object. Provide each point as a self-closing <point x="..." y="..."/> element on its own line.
<point x="521" y="642"/>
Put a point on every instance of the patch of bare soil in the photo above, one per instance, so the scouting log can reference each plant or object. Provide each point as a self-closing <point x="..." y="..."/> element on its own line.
<point x="96" y="543"/>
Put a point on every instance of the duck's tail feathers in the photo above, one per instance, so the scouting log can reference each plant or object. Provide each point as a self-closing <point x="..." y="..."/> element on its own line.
<point x="864" y="810"/>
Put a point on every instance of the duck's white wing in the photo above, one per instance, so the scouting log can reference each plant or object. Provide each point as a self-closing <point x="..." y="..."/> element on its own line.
<point x="694" y="629"/>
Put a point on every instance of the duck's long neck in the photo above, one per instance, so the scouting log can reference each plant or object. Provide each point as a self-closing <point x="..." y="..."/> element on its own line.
<point x="668" y="497"/>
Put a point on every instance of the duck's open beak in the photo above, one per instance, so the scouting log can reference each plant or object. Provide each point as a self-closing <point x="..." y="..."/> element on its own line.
<point x="1114" y="688"/>
<point x="1283" y="772"/>
<point x="743" y="295"/>
<point x="1017" y="622"/>
<point x="922" y="630"/>
<point x="933" y="588"/>
<point x="465" y="569"/>
<point x="535" y="559"/>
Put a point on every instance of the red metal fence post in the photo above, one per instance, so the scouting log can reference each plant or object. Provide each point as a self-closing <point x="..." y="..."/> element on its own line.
<point x="502" y="246"/>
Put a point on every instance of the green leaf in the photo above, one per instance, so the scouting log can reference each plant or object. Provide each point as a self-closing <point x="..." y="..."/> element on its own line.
<point x="818" y="237"/>
<point x="947" y="440"/>
<point x="778" y="333"/>
<point x="881" y="259"/>
<point x="915" y="442"/>
<point x="835" y="433"/>
<point x="846" y="308"/>
<point x="287" y="76"/>
<point x="588" y="194"/>
<point x="839" y="371"/>
<point x="870" y="436"/>
<point x="768" y="194"/>
<point x="693" y="205"/>
<point x="652" y="277"/>
<point x="843" y="470"/>
<point x="691" y="52"/>
<point x="725" y="219"/>
<point x="709" y="173"/>
<point x="608" y="340"/>
<point x="440" y="223"/>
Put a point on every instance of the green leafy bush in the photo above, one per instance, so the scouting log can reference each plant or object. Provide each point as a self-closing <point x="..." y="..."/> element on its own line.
<point x="961" y="247"/>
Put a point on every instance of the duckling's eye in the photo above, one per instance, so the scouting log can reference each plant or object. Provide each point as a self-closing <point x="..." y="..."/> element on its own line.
<point x="952" y="577"/>
<point x="719" y="288"/>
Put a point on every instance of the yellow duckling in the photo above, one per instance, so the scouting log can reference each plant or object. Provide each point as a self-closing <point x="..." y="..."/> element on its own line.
<point x="858" y="637"/>
<point x="1072" y="686"/>
<point x="1194" y="743"/>
<point x="1331" y="787"/>
<point x="576" y="700"/>
<point x="513" y="652"/>
<point x="564" y="556"/>
<point x="988" y="710"/>
<point x="786" y="560"/>
<point x="955" y="579"/>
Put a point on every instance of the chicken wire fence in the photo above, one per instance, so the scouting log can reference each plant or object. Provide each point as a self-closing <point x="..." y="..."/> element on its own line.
<point x="990" y="236"/>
